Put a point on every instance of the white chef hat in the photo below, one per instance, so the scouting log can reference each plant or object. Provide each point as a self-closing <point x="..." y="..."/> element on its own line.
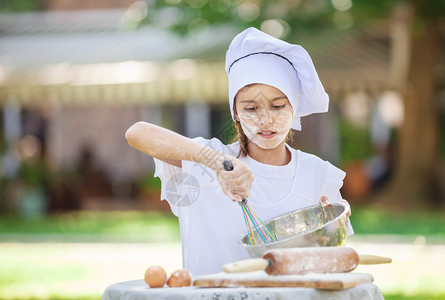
<point x="256" y="57"/>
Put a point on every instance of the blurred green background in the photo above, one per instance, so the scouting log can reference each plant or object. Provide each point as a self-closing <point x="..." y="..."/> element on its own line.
<point x="80" y="209"/>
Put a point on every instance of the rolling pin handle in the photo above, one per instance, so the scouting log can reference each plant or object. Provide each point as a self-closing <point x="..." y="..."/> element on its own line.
<point x="248" y="265"/>
<point x="366" y="259"/>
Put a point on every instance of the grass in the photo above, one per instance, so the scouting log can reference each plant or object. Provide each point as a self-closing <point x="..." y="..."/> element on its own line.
<point x="413" y="297"/>
<point x="414" y="223"/>
<point x="23" y="280"/>
<point x="152" y="226"/>
<point x="139" y="226"/>
<point x="24" y="275"/>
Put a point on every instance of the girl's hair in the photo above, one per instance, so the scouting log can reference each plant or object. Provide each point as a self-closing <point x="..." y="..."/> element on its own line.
<point x="240" y="135"/>
<point x="242" y="138"/>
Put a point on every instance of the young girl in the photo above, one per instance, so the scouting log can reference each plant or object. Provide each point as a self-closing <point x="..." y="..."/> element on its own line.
<point x="271" y="85"/>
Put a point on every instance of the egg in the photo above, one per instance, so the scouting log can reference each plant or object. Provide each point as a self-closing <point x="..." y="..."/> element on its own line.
<point x="155" y="277"/>
<point x="179" y="278"/>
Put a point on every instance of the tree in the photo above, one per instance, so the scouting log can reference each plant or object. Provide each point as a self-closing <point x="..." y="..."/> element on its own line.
<point x="416" y="179"/>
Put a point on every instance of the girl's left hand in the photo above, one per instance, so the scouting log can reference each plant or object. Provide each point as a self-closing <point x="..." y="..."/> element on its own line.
<point x="324" y="202"/>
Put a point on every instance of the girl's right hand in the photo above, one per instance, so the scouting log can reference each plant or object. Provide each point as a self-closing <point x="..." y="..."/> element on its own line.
<point x="235" y="184"/>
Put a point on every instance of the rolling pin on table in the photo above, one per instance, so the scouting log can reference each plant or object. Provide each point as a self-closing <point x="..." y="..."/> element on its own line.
<point x="306" y="260"/>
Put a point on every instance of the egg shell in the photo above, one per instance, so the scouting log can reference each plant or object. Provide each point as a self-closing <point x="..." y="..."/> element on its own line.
<point x="155" y="277"/>
<point x="179" y="278"/>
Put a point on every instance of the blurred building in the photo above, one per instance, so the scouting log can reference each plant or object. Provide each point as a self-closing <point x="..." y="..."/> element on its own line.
<point x="77" y="78"/>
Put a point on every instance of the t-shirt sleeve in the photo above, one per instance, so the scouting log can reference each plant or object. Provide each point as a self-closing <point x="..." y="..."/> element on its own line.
<point x="166" y="172"/>
<point x="171" y="176"/>
<point x="333" y="181"/>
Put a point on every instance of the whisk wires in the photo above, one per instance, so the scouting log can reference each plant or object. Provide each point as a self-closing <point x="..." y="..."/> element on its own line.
<point x="250" y="235"/>
<point x="264" y="226"/>
<point x="251" y="219"/>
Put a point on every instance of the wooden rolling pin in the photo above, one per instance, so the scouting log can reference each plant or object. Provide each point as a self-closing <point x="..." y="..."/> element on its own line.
<point x="288" y="261"/>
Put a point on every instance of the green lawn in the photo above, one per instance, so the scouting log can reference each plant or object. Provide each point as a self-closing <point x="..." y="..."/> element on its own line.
<point x="121" y="226"/>
<point x="414" y="297"/>
<point x="414" y="223"/>
<point x="163" y="227"/>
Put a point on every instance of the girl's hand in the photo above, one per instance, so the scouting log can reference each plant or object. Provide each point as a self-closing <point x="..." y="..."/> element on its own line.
<point x="324" y="202"/>
<point x="235" y="184"/>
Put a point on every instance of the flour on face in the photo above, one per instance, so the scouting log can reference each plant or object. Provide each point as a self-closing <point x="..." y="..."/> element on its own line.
<point x="265" y="115"/>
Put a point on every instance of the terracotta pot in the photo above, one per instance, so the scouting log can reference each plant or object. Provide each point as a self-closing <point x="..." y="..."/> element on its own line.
<point x="151" y="200"/>
<point x="357" y="183"/>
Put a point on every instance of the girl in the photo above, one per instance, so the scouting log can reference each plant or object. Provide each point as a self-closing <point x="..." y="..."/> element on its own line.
<point x="271" y="85"/>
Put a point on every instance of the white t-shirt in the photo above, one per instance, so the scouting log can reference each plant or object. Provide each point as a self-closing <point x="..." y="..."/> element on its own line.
<point x="211" y="225"/>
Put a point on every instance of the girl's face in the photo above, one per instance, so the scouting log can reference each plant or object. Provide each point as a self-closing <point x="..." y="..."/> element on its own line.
<point x="265" y="114"/>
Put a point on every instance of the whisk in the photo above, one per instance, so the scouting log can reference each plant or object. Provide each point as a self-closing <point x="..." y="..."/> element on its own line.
<point x="253" y="223"/>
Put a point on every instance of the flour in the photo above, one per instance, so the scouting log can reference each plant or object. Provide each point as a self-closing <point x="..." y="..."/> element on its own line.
<point x="265" y="114"/>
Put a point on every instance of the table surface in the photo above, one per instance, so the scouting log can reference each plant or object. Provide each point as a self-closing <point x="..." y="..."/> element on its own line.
<point x="138" y="290"/>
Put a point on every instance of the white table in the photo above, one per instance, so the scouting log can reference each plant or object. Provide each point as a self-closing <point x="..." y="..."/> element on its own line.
<point x="138" y="290"/>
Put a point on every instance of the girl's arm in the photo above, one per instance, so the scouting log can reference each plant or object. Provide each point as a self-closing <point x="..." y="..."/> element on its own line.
<point x="173" y="148"/>
<point x="164" y="144"/>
